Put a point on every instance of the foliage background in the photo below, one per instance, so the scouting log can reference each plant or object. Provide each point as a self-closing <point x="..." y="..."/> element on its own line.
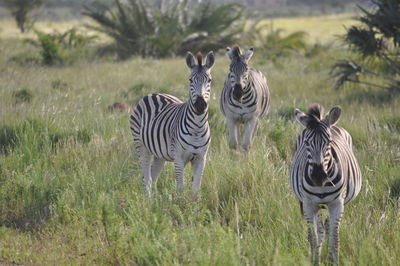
<point x="70" y="189"/>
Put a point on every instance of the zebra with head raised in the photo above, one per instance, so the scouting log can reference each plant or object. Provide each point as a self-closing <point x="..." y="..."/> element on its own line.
<point x="324" y="172"/>
<point x="167" y="129"/>
<point x="245" y="97"/>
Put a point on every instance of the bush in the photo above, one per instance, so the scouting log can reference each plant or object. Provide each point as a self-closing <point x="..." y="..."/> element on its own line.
<point x="150" y="29"/>
<point x="22" y="95"/>
<point x="272" y="43"/>
<point x="376" y="42"/>
<point x="61" y="48"/>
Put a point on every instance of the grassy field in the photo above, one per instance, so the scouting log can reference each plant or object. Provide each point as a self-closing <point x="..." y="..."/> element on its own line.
<point x="70" y="188"/>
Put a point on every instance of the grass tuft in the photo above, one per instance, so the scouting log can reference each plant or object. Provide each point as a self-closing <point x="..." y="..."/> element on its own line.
<point x="23" y="95"/>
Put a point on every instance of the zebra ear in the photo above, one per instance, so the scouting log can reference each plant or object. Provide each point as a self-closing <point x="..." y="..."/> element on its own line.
<point x="190" y="60"/>
<point x="229" y="52"/>
<point x="302" y="118"/>
<point x="210" y="60"/>
<point x="248" y="54"/>
<point x="333" y="117"/>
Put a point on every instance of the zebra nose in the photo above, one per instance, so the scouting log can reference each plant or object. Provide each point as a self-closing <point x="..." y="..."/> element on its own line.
<point x="318" y="168"/>
<point x="237" y="92"/>
<point x="318" y="174"/>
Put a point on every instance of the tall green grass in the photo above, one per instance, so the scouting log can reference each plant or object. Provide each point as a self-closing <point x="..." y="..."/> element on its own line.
<point x="79" y="200"/>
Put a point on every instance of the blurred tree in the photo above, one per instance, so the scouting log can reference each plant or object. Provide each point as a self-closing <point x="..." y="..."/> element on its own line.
<point x="165" y="28"/>
<point x="377" y="43"/>
<point x="271" y="42"/>
<point x="20" y="9"/>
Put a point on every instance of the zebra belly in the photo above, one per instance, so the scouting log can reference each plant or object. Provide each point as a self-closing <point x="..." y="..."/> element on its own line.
<point x="157" y="124"/>
<point x="241" y="115"/>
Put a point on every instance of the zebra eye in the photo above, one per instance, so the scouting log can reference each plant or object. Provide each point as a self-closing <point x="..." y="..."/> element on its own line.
<point x="209" y="80"/>
<point x="191" y="80"/>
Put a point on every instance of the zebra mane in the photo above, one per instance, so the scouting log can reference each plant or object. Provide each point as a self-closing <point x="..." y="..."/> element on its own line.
<point x="316" y="111"/>
<point x="199" y="57"/>
<point x="236" y="51"/>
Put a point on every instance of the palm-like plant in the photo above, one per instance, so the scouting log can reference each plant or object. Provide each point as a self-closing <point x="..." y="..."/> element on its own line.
<point x="149" y="28"/>
<point x="377" y="42"/>
<point x="272" y="42"/>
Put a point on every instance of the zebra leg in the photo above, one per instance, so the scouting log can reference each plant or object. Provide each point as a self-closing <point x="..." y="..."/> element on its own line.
<point x="156" y="168"/>
<point x="311" y="214"/>
<point x="145" y="159"/>
<point x="255" y="129"/>
<point x="335" y="214"/>
<point x="249" y="128"/>
<point x="320" y="233"/>
<point x="197" y="172"/>
<point x="233" y="128"/>
<point x="179" y="170"/>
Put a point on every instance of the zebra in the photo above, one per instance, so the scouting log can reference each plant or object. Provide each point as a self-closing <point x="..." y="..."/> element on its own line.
<point x="245" y="97"/>
<point x="324" y="173"/>
<point x="167" y="129"/>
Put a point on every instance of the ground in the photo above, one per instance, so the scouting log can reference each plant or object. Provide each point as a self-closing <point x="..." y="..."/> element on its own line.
<point x="70" y="188"/>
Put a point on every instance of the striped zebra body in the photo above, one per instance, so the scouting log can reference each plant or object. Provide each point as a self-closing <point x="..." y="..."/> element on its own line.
<point x="324" y="172"/>
<point x="180" y="129"/>
<point x="343" y="171"/>
<point x="167" y="129"/>
<point x="255" y="100"/>
<point x="245" y="98"/>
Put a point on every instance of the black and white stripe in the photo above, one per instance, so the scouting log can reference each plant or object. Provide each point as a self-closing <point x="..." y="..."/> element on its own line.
<point x="245" y="97"/>
<point x="324" y="172"/>
<point x="167" y="129"/>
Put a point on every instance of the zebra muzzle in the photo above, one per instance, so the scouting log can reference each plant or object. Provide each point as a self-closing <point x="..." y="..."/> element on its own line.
<point x="200" y="105"/>
<point x="318" y="175"/>
<point x="237" y="92"/>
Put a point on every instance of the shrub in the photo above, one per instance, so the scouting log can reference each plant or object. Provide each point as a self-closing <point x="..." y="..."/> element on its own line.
<point x="22" y="95"/>
<point x="148" y="28"/>
<point x="272" y="43"/>
<point x="60" y="48"/>
<point x="376" y="42"/>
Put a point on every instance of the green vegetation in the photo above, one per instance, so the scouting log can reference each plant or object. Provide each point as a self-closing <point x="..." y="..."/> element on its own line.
<point x="156" y="29"/>
<point x="272" y="43"/>
<point x="70" y="184"/>
<point x="61" y="48"/>
<point x="377" y="43"/>
<point x="22" y="95"/>
<point x="20" y="10"/>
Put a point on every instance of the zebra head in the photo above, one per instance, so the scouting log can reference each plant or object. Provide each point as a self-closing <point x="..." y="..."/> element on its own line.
<point x="200" y="80"/>
<point x="317" y="140"/>
<point x="238" y="70"/>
